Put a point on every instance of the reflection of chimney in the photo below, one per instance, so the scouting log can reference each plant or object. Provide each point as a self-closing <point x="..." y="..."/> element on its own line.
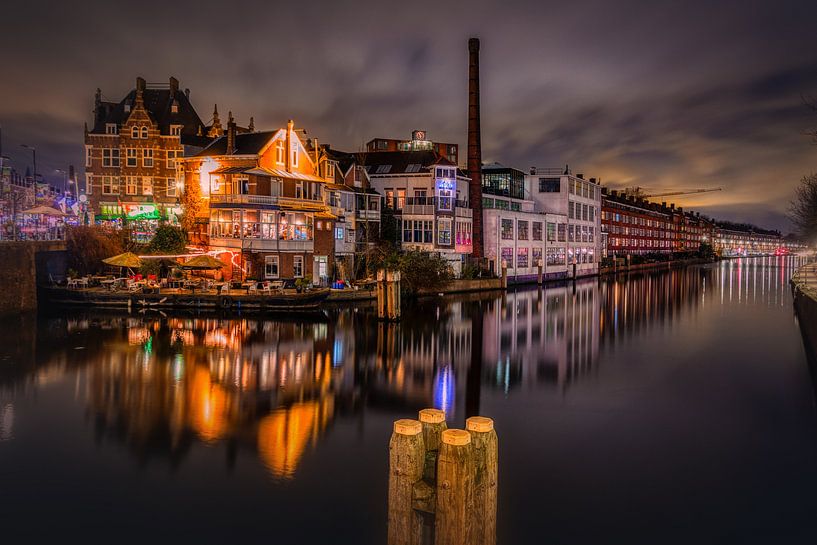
<point x="475" y="145"/>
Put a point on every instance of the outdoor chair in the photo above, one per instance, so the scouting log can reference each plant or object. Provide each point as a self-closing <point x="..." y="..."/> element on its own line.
<point x="225" y="289"/>
<point x="252" y="289"/>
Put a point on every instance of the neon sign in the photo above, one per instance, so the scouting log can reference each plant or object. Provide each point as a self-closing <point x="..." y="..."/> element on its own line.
<point x="141" y="211"/>
<point x="445" y="184"/>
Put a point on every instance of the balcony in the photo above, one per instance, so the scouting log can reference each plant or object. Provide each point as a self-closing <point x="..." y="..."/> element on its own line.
<point x="262" y="244"/>
<point x="418" y="210"/>
<point x="370" y="215"/>
<point x="464" y="212"/>
<point x="243" y="199"/>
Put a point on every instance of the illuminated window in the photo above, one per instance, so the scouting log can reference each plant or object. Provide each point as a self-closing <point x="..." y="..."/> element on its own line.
<point x="537" y="230"/>
<point x="130" y="184"/>
<point x="298" y="266"/>
<point x="110" y="185"/>
<point x="339" y="233"/>
<point x="147" y="185"/>
<point x="294" y="154"/>
<point x="171" y="187"/>
<point x="444" y="232"/>
<point x="330" y="171"/>
<point x="507" y="229"/>
<point x="175" y="130"/>
<point x="522" y="230"/>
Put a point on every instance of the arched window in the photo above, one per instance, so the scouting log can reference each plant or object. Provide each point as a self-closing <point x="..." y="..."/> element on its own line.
<point x="144" y="132"/>
<point x="134" y="132"/>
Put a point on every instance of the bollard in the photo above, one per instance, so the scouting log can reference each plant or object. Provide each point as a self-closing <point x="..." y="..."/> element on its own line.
<point x="455" y="483"/>
<point x="381" y="294"/>
<point x="484" y="441"/>
<point x="539" y="275"/>
<point x="434" y="425"/>
<point x="393" y="295"/>
<point x="406" y="464"/>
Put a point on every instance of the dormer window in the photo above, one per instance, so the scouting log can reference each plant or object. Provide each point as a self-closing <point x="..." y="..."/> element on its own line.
<point x="144" y="132"/>
<point x="134" y="132"/>
<point x="294" y="154"/>
<point x="174" y="108"/>
<point x="175" y="130"/>
<point x="127" y="108"/>
<point x="110" y="128"/>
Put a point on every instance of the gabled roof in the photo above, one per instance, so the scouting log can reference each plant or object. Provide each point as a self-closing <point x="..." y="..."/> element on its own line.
<point x="158" y="103"/>
<point x="401" y="162"/>
<point x="245" y="144"/>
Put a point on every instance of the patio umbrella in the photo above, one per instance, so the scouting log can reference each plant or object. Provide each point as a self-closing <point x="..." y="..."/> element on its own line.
<point x="202" y="262"/>
<point x="43" y="211"/>
<point x="128" y="259"/>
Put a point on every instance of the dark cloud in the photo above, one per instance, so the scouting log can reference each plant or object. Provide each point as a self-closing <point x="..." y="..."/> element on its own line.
<point x="657" y="94"/>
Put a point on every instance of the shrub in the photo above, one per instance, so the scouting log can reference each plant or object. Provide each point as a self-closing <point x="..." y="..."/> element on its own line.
<point x="422" y="270"/>
<point x="87" y="246"/>
<point x="168" y="239"/>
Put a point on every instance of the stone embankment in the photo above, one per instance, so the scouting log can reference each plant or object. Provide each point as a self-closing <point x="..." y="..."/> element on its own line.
<point x="23" y="267"/>
<point x="804" y="291"/>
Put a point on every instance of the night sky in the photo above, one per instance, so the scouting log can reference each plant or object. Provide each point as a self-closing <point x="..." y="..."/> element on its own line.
<point x="656" y="94"/>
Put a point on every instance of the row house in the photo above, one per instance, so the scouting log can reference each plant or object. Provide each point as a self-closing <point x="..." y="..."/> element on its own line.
<point x="517" y="236"/>
<point x="131" y="152"/>
<point x="636" y="226"/>
<point x="430" y="197"/>
<point x="560" y="192"/>
<point x="265" y="204"/>
<point x="355" y="205"/>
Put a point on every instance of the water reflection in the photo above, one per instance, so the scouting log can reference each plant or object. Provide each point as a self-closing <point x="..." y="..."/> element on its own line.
<point x="162" y="385"/>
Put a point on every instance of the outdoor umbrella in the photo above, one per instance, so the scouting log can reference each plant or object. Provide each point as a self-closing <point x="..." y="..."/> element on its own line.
<point x="44" y="211"/>
<point x="202" y="262"/>
<point x="127" y="260"/>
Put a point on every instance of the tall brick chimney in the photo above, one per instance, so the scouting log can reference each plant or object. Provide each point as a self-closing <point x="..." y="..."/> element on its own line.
<point x="475" y="146"/>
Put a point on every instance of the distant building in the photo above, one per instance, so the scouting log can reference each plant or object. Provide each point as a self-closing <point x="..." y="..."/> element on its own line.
<point x="635" y="226"/>
<point x="558" y="191"/>
<point x="418" y="142"/>
<point x="131" y="172"/>
<point x="430" y="197"/>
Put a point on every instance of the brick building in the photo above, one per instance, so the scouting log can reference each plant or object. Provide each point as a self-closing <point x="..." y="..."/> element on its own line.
<point x="131" y="172"/>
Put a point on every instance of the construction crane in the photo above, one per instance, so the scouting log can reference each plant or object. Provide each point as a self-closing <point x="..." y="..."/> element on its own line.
<point x="639" y="192"/>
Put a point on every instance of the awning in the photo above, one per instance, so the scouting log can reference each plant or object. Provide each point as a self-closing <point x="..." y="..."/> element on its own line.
<point x="231" y="170"/>
<point x="277" y="173"/>
<point x="325" y="216"/>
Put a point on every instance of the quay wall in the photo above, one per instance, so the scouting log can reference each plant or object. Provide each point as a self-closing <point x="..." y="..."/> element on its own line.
<point x="23" y="267"/>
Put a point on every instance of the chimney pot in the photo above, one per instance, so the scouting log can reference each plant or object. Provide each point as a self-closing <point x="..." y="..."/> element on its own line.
<point x="580" y="176"/>
<point x="187" y="93"/>
<point x="140" y="84"/>
<point x="174" y="85"/>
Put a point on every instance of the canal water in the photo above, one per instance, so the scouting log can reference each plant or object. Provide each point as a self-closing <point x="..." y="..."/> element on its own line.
<point x="674" y="407"/>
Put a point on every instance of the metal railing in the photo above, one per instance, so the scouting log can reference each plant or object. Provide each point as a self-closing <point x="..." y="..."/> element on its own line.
<point x="233" y="198"/>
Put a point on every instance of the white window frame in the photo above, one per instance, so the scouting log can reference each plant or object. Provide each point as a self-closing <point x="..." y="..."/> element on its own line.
<point x="171" y="187"/>
<point x="280" y="149"/>
<point x="131" y="184"/>
<point x="89" y="184"/>
<point x="295" y="154"/>
<point x="147" y="157"/>
<point x="89" y="155"/>
<point x="131" y="155"/>
<point x="143" y="133"/>
<point x="175" y="130"/>
<point x="134" y="132"/>
<point x="298" y="259"/>
<point x="272" y="260"/>
<point x="110" y="128"/>
<point x="110" y="185"/>
<point x="111" y="160"/>
<point x="172" y="154"/>
<point x="147" y="185"/>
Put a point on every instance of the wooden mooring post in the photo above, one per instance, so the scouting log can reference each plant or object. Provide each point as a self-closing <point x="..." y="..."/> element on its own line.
<point x="388" y="295"/>
<point x="449" y="475"/>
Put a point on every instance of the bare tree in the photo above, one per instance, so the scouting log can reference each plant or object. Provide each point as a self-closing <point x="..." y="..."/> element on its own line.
<point x="803" y="209"/>
<point x="810" y="102"/>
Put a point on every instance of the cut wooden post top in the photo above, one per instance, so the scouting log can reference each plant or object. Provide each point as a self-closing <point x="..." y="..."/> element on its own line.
<point x="456" y="437"/>
<point x="407" y="426"/>
<point x="479" y="423"/>
<point x="432" y="416"/>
